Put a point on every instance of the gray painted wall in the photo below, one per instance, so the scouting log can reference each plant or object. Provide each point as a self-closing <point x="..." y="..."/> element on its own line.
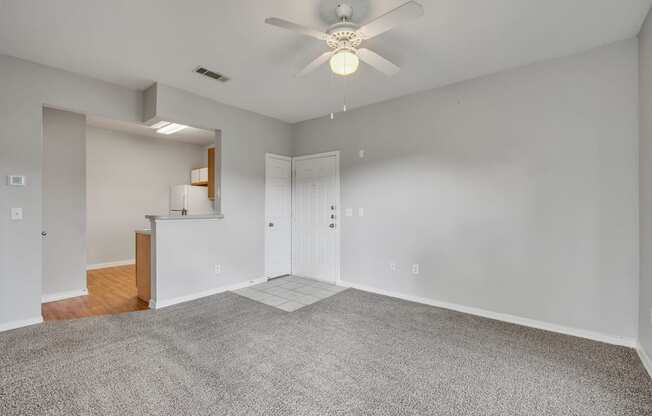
<point x="128" y="177"/>
<point x="645" y="186"/>
<point x="516" y="193"/>
<point x="24" y="89"/>
<point x="237" y="241"/>
<point x="64" y="203"/>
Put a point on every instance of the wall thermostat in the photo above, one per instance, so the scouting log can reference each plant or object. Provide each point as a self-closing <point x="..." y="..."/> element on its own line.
<point x="15" y="180"/>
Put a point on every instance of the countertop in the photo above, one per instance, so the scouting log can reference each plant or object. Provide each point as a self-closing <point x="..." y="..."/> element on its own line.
<point x="184" y="217"/>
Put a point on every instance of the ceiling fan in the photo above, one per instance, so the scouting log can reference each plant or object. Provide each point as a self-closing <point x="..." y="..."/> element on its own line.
<point x="345" y="37"/>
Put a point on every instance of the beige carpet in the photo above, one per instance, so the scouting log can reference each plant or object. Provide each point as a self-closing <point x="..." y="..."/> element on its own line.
<point x="354" y="353"/>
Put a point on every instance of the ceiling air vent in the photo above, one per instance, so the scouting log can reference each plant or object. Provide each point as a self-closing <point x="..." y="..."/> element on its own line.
<point x="208" y="73"/>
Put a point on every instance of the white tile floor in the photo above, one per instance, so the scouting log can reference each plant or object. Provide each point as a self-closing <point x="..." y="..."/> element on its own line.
<point x="290" y="293"/>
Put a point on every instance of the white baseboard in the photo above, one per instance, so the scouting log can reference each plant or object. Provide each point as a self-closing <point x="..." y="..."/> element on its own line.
<point x="645" y="359"/>
<point x="110" y="264"/>
<point x="53" y="297"/>
<point x="581" y="333"/>
<point x="169" y="302"/>
<point x="19" y="324"/>
<point x="316" y="279"/>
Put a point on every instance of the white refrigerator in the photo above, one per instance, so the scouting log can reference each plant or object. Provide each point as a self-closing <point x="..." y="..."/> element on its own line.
<point x="190" y="200"/>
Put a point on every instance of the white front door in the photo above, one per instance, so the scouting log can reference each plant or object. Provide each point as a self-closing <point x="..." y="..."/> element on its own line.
<point x="315" y="226"/>
<point x="278" y="215"/>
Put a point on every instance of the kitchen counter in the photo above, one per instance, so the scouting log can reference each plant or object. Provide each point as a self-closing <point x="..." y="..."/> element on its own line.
<point x="184" y="217"/>
<point x="177" y="245"/>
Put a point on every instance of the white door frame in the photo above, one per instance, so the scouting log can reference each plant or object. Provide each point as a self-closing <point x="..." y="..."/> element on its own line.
<point x="338" y="208"/>
<point x="289" y="159"/>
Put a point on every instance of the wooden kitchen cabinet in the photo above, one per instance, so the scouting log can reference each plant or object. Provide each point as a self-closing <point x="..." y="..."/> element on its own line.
<point x="199" y="177"/>
<point x="143" y="269"/>
<point x="206" y="176"/>
<point x="211" y="173"/>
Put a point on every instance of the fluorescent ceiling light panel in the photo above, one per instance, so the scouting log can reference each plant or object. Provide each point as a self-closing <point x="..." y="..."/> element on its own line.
<point x="159" y="125"/>
<point x="171" y="128"/>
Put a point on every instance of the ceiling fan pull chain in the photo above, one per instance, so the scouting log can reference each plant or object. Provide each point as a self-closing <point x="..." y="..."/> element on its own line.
<point x="346" y="87"/>
<point x="330" y="88"/>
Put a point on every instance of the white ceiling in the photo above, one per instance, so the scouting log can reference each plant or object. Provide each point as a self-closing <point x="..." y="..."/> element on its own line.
<point x="189" y="135"/>
<point x="134" y="43"/>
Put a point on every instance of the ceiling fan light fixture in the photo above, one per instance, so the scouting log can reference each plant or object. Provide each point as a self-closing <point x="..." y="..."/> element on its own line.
<point x="344" y="62"/>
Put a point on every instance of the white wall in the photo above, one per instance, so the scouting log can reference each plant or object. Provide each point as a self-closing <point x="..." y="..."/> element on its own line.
<point x="645" y="186"/>
<point x="128" y="177"/>
<point x="516" y="193"/>
<point x="26" y="87"/>
<point x="64" y="204"/>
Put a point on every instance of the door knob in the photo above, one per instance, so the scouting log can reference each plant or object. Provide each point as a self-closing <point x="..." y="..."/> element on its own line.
<point x="271" y="224"/>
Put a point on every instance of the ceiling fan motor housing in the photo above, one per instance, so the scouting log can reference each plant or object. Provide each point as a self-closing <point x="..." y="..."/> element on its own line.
<point x="343" y="34"/>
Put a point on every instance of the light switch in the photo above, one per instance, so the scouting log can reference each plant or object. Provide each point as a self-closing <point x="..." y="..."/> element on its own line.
<point x="361" y="153"/>
<point x="361" y="212"/>
<point x="16" y="214"/>
<point x="348" y="212"/>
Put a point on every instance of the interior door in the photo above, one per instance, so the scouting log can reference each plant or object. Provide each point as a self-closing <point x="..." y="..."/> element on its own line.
<point x="278" y="215"/>
<point x="315" y="210"/>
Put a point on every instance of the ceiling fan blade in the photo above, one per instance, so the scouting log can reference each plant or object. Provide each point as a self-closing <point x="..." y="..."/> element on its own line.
<point x="304" y="30"/>
<point x="322" y="59"/>
<point x="378" y="62"/>
<point x="406" y="12"/>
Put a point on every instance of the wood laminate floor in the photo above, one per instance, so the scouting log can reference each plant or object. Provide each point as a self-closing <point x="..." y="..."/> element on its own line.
<point x="110" y="291"/>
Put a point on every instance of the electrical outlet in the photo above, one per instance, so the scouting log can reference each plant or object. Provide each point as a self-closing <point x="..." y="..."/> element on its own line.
<point x="415" y="269"/>
<point x="218" y="269"/>
<point x="393" y="267"/>
<point x="16" y="214"/>
<point x="361" y="153"/>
